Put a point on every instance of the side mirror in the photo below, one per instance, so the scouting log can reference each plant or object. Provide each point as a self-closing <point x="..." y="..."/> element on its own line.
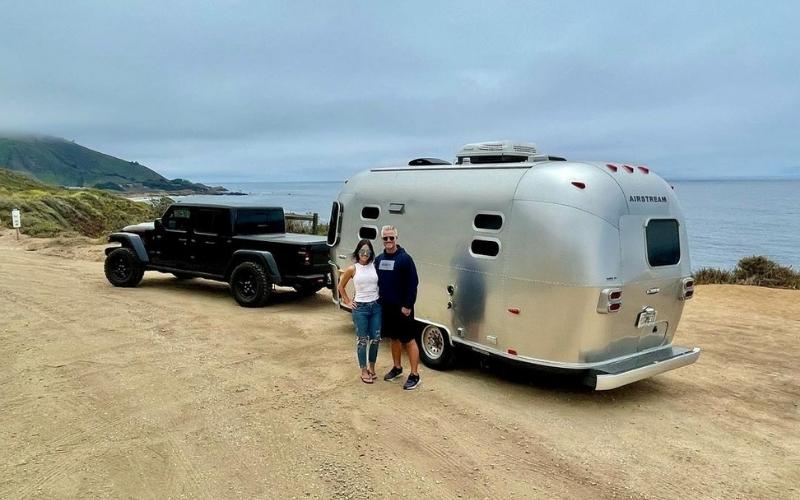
<point x="158" y="224"/>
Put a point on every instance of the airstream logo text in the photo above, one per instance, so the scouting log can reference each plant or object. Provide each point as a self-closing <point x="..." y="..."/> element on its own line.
<point x="649" y="199"/>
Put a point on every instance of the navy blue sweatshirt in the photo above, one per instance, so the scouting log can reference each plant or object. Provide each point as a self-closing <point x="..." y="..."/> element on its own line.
<point x="397" y="278"/>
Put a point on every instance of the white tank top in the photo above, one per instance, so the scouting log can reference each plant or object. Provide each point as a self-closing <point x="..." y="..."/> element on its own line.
<point x="366" y="283"/>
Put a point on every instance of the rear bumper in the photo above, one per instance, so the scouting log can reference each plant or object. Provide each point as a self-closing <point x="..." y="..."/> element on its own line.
<point x="617" y="374"/>
<point x="322" y="279"/>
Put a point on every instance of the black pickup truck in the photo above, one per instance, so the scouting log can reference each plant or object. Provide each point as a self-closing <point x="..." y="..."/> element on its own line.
<point x="247" y="247"/>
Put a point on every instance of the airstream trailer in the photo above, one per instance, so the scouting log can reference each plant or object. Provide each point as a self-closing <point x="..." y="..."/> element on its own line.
<point x="570" y="265"/>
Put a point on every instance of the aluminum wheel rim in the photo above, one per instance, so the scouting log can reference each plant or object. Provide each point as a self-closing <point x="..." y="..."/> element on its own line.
<point x="433" y="342"/>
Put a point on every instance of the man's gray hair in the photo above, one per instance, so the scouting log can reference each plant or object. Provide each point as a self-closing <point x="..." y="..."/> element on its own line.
<point x="388" y="228"/>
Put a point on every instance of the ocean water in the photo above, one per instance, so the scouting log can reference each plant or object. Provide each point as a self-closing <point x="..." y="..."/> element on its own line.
<point x="726" y="220"/>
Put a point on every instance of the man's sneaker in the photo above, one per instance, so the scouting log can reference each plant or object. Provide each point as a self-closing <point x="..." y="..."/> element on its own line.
<point x="412" y="382"/>
<point x="393" y="373"/>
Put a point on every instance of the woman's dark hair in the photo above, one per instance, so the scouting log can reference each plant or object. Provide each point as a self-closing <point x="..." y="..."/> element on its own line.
<point x="358" y="247"/>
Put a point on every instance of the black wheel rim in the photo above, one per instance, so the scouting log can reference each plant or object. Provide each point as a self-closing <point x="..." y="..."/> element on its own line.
<point x="246" y="285"/>
<point x="121" y="268"/>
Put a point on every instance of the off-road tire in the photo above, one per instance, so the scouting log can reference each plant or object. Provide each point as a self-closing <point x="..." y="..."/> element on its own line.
<point x="250" y="284"/>
<point x="123" y="268"/>
<point x="307" y="290"/>
<point x="435" y="350"/>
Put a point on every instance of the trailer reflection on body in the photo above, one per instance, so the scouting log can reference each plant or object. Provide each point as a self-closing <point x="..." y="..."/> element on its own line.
<point x="576" y="266"/>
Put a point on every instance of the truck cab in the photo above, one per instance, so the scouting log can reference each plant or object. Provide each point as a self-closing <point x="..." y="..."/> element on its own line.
<point x="247" y="246"/>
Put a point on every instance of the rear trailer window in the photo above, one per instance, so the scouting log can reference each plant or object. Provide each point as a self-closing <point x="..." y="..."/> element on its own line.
<point x="663" y="242"/>
<point x="260" y="221"/>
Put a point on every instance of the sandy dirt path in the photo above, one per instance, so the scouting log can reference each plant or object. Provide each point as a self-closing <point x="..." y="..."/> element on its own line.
<point x="171" y="390"/>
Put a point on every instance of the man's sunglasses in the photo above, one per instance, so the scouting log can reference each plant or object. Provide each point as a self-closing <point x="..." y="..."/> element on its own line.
<point x="388" y="238"/>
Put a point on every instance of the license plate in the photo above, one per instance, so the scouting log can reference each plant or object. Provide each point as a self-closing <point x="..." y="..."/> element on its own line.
<point x="646" y="318"/>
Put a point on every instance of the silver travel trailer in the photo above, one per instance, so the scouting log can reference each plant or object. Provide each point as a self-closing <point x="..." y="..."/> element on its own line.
<point x="570" y="265"/>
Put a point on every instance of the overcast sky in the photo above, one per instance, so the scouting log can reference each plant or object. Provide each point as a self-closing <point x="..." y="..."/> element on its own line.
<point x="237" y="91"/>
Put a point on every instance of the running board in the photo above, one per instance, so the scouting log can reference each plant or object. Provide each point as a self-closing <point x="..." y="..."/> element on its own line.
<point x="627" y="371"/>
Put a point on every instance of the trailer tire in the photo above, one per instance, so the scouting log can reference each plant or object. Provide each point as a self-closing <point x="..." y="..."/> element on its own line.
<point x="250" y="284"/>
<point x="122" y="268"/>
<point x="435" y="349"/>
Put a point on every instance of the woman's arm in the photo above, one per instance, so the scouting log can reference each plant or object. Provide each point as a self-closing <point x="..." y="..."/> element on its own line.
<point x="344" y="279"/>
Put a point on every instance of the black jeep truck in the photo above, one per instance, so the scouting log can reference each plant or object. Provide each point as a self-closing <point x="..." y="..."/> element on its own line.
<point x="245" y="246"/>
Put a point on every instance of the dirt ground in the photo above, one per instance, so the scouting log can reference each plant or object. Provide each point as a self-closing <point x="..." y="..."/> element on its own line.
<point x="171" y="390"/>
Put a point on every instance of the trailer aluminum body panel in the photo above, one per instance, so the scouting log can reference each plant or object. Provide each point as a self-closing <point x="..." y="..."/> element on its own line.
<point x="537" y="281"/>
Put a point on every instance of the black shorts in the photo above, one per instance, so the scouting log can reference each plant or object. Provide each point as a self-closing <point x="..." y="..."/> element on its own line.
<point x="396" y="325"/>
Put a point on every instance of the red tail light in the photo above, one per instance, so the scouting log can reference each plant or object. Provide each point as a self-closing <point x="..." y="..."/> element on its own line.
<point x="687" y="289"/>
<point x="610" y="301"/>
<point x="579" y="185"/>
<point x="513" y="352"/>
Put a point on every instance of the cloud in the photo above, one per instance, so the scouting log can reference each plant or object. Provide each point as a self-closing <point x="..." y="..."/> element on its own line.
<point x="241" y="90"/>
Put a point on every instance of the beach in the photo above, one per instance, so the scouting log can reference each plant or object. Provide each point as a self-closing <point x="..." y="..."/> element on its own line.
<point x="171" y="390"/>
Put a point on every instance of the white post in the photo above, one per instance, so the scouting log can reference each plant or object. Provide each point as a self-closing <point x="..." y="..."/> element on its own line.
<point x="16" y="220"/>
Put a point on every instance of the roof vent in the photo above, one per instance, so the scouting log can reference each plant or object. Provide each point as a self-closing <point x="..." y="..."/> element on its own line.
<point x="499" y="152"/>
<point x="417" y="162"/>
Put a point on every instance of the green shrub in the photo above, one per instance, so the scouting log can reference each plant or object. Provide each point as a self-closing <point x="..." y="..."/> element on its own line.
<point x="756" y="270"/>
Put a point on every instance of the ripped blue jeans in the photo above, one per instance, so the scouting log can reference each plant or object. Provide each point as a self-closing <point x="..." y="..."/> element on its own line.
<point x="367" y="319"/>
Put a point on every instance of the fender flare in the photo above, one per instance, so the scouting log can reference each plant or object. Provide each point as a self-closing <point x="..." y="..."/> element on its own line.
<point x="261" y="256"/>
<point x="130" y="240"/>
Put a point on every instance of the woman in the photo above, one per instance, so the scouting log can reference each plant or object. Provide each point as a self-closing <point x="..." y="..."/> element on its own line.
<point x="365" y="307"/>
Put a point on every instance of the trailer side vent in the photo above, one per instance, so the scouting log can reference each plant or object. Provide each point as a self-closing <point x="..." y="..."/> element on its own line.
<point x="368" y="232"/>
<point x="487" y="248"/>
<point x="612" y="167"/>
<point x="397" y="208"/>
<point x="491" y="222"/>
<point x="644" y="170"/>
<point x="628" y="168"/>
<point x="419" y="162"/>
<point x="370" y="212"/>
<point x="579" y="185"/>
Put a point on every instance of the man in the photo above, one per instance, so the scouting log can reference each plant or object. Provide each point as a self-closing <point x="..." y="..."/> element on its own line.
<point x="397" y="287"/>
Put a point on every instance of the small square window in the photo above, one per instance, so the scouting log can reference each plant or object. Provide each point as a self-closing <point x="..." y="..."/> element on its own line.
<point x="370" y="212"/>
<point x="368" y="232"/>
<point x="489" y="248"/>
<point x="492" y="222"/>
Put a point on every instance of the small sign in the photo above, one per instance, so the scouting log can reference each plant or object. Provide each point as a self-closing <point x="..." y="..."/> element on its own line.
<point x="16" y="220"/>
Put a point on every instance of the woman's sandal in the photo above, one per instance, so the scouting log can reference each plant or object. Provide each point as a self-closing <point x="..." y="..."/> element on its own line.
<point x="367" y="379"/>
<point x="372" y="375"/>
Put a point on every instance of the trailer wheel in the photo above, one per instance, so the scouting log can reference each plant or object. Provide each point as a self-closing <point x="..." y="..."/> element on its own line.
<point x="434" y="348"/>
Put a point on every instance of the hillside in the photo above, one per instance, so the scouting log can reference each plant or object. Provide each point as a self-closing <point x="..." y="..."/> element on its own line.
<point x="48" y="210"/>
<point x="63" y="163"/>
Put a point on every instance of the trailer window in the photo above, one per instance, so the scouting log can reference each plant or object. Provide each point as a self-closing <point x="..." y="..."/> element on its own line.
<point x="663" y="242"/>
<point x="333" y="224"/>
<point x="485" y="248"/>
<point x="368" y="232"/>
<point x="491" y="222"/>
<point x="371" y="212"/>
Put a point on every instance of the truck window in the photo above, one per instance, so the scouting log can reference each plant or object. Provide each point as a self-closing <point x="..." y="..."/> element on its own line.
<point x="663" y="242"/>
<point x="260" y="221"/>
<point x="210" y="220"/>
<point x="178" y="219"/>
